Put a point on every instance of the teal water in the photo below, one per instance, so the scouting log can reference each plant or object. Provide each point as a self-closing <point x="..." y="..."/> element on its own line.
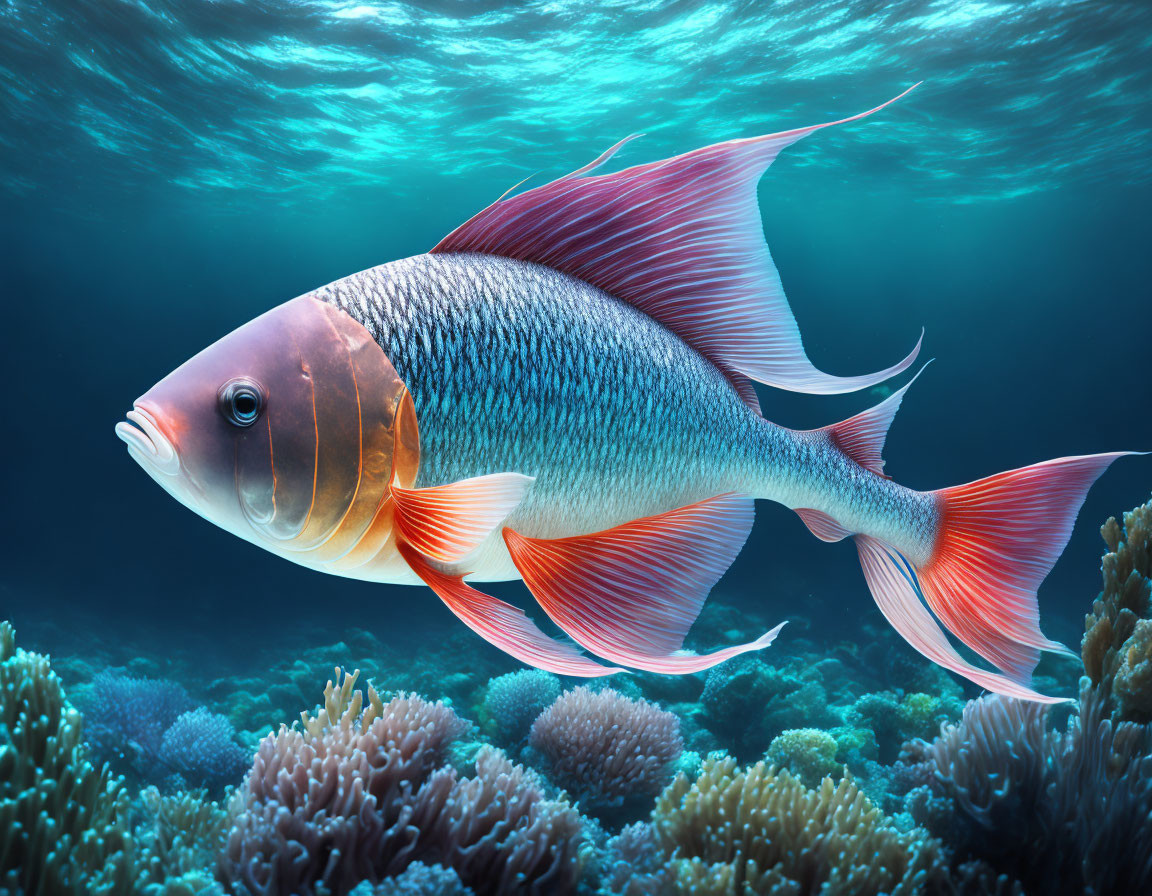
<point x="169" y="170"/>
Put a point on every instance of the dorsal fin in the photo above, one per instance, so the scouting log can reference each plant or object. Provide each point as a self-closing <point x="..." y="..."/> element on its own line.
<point x="681" y="240"/>
<point x="862" y="437"/>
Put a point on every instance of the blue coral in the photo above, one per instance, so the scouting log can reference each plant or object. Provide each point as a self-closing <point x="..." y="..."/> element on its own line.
<point x="513" y="701"/>
<point x="200" y="747"/>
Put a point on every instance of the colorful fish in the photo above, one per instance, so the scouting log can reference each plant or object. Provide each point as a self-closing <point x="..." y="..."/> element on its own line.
<point x="561" y="392"/>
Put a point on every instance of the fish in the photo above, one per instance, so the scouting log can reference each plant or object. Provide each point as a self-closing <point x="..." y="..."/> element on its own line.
<point x="561" y="392"/>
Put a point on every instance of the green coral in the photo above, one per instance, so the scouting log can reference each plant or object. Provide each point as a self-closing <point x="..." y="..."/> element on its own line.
<point x="61" y="819"/>
<point x="809" y="753"/>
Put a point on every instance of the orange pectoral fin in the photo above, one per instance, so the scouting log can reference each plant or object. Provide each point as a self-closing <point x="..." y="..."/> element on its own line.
<point x="447" y="522"/>
<point x="503" y="625"/>
<point x="631" y="593"/>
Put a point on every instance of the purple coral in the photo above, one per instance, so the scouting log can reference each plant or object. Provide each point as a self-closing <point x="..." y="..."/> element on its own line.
<point x="606" y="748"/>
<point x="352" y="796"/>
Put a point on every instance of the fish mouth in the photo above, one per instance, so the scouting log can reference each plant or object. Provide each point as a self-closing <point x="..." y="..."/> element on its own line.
<point x="146" y="442"/>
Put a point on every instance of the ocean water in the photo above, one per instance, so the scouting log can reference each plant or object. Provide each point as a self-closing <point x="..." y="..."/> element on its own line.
<point x="169" y="170"/>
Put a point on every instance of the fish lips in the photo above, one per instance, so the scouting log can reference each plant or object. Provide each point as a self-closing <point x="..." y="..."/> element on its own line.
<point x="147" y="443"/>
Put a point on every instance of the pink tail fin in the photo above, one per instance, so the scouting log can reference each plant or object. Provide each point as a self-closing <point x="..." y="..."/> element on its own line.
<point x="998" y="539"/>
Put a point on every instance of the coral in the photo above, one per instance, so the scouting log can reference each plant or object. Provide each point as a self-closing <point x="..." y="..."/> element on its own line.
<point x="893" y="719"/>
<point x="809" y="753"/>
<point x="126" y="719"/>
<point x="759" y="830"/>
<point x="418" y="879"/>
<point x="61" y="819"/>
<point x="513" y="701"/>
<point x="352" y="794"/>
<point x="606" y="748"/>
<point x="1056" y="813"/>
<point x="502" y="835"/>
<point x="199" y="747"/>
<point x="633" y="864"/>
<point x="1115" y="648"/>
<point x="737" y="697"/>
<point x="182" y="836"/>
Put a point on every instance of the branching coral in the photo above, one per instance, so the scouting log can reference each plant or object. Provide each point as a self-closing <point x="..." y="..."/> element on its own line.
<point x="61" y="828"/>
<point x="759" y="830"/>
<point x="605" y="747"/>
<point x="1117" y="644"/>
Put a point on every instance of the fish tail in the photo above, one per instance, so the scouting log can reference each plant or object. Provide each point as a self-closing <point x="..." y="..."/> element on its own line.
<point x="996" y="540"/>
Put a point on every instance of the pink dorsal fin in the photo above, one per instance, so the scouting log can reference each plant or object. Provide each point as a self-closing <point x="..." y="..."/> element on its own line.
<point x="447" y="522"/>
<point x="680" y="239"/>
<point x="501" y="624"/>
<point x="862" y="437"/>
<point x="631" y="593"/>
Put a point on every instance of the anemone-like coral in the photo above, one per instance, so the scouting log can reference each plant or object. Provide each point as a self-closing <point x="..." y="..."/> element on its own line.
<point x="352" y="794"/>
<point x="1052" y="813"/>
<point x="200" y="747"/>
<point x="513" y="701"/>
<point x="62" y="828"/>
<point x="181" y="837"/>
<point x="1117" y="643"/>
<point x="502" y="835"/>
<point x="607" y="749"/>
<point x="756" y="830"/>
<point x="808" y="753"/>
<point x="126" y="719"/>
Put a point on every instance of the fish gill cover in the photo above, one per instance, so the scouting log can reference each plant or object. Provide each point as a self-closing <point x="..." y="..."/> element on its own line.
<point x="170" y="169"/>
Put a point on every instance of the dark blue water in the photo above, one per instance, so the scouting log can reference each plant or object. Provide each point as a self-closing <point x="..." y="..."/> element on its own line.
<point x="170" y="170"/>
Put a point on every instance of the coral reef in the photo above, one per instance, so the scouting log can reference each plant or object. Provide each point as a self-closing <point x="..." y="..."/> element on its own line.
<point x="759" y="830"/>
<point x="62" y="820"/>
<point x="183" y="834"/>
<point x="357" y="793"/>
<point x="607" y="749"/>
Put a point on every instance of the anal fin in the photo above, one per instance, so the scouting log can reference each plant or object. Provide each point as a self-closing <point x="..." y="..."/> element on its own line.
<point x="501" y="624"/>
<point x="630" y="594"/>
<point x="821" y="524"/>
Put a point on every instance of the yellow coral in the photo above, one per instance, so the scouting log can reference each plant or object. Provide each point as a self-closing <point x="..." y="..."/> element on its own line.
<point x="758" y="829"/>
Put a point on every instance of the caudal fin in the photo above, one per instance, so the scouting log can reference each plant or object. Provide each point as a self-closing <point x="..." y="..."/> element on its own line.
<point x="997" y="538"/>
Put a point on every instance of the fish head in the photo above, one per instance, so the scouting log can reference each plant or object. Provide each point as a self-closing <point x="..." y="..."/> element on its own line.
<point x="288" y="432"/>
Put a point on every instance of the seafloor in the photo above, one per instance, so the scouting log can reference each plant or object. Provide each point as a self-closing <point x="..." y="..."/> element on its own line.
<point x="806" y="769"/>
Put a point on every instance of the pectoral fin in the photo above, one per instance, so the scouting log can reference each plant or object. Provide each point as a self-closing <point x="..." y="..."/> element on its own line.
<point x="501" y="624"/>
<point x="630" y="594"/>
<point x="448" y="522"/>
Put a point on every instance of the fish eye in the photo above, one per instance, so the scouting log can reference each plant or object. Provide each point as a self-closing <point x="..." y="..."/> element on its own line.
<point x="241" y="401"/>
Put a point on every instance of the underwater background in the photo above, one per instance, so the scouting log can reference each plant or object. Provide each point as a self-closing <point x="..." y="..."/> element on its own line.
<point x="170" y="170"/>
